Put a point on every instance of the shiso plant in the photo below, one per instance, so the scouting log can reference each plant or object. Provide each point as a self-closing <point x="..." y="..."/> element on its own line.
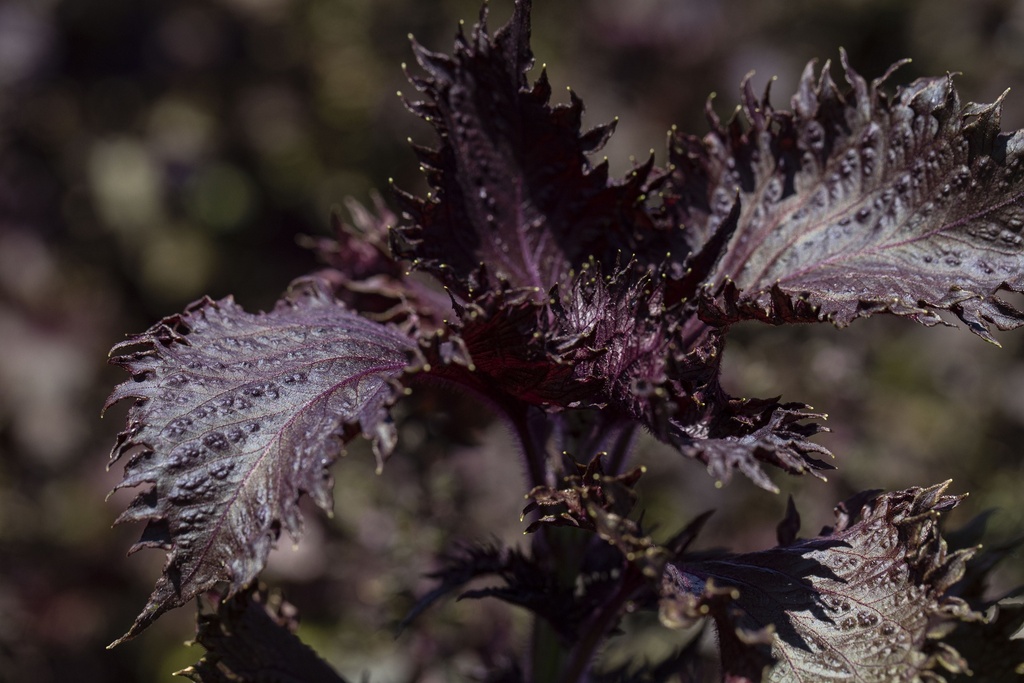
<point x="582" y="308"/>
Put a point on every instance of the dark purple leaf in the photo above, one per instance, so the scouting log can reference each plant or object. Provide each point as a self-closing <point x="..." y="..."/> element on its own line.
<point x="250" y="638"/>
<point x="364" y="274"/>
<point x="991" y="649"/>
<point x="610" y="342"/>
<point x="237" y="415"/>
<point x="658" y="365"/>
<point x="558" y="277"/>
<point x="789" y="527"/>
<point x="868" y="600"/>
<point x="507" y="351"/>
<point x="522" y="582"/>
<point x="857" y="203"/>
<point x="597" y="343"/>
<point x="736" y="434"/>
<point x="513" y="187"/>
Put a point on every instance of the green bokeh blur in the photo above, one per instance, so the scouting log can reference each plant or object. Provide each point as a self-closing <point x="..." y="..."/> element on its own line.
<point x="153" y="151"/>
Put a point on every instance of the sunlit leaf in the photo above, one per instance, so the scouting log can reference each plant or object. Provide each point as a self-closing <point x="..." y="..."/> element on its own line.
<point x="868" y="600"/>
<point x="856" y="203"/>
<point x="235" y="417"/>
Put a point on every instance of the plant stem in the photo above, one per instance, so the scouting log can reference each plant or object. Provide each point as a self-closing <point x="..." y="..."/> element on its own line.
<point x="582" y="654"/>
<point x="622" y="445"/>
<point x="547" y="654"/>
<point x="534" y="446"/>
<point x="563" y="551"/>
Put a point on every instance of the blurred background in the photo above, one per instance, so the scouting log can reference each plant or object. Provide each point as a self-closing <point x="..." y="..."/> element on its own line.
<point x="153" y="151"/>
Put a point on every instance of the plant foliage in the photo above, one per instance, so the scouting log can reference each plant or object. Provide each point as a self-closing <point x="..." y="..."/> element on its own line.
<point x="582" y="306"/>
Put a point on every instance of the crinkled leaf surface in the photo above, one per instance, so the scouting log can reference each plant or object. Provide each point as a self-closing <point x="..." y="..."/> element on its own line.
<point x="237" y="415"/>
<point x="856" y="203"/>
<point x="661" y="367"/>
<point x="572" y="291"/>
<point x="250" y="638"/>
<point x="513" y="187"/>
<point x="610" y="342"/>
<point x="557" y="272"/>
<point x="867" y="600"/>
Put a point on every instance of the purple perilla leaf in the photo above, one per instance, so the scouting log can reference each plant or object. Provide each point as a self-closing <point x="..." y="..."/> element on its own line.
<point x="857" y="203"/>
<point x="994" y="649"/>
<point x="990" y="648"/>
<point x="250" y="638"/>
<point x="610" y="342"/>
<point x="659" y="365"/>
<point x="867" y="600"/>
<point x="559" y="277"/>
<point x="513" y="188"/>
<point x="365" y="276"/>
<point x="235" y="417"/>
